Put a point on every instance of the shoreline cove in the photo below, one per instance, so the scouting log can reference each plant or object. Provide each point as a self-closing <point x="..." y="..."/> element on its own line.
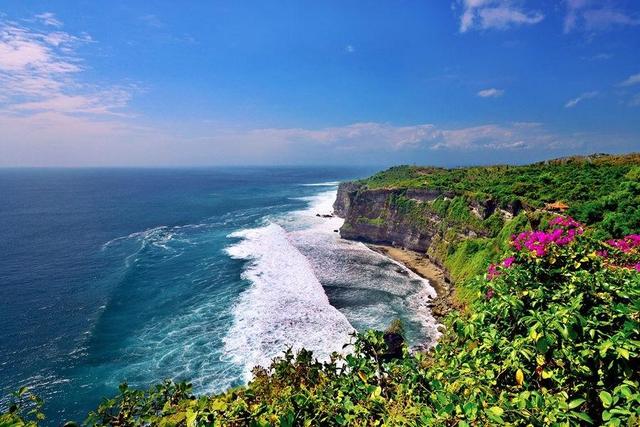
<point x="297" y="266"/>
<point x="420" y="264"/>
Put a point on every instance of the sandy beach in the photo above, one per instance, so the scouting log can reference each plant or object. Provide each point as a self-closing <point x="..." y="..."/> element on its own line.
<point x="424" y="267"/>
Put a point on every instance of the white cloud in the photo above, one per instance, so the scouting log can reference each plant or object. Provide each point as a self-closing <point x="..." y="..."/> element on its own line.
<point x="102" y="103"/>
<point x="50" y="115"/>
<point x="496" y="14"/>
<point x="601" y="19"/>
<point x="631" y="80"/>
<point x="25" y="52"/>
<point x="383" y="137"/>
<point x="593" y="15"/>
<point x="40" y="71"/>
<point x="491" y="93"/>
<point x="599" y="57"/>
<point x="349" y="48"/>
<point x="575" y="101"/>
<point x="48" y="18"/>
<point x="573" y="9"/>
<point x="152" y="21"/>
<point x="54" y="138"/>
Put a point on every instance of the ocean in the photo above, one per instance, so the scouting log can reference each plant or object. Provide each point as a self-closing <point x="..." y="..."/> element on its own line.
<point x="137" y="275"/>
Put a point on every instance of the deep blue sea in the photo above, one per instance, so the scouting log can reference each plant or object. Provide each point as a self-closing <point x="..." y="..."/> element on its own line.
<point x="137" y="275"/>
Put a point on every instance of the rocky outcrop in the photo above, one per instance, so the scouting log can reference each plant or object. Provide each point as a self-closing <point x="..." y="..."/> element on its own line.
<point x="346" y="192"/>
<point x="370" y="217"/>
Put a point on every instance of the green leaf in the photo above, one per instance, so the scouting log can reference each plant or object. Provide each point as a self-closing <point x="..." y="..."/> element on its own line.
<point x="496" y="411"/>
<point x="470" y="409"/>
<point x="606" y="398"/>
<point x="604" y="347"/>
<point x="623" y="352"/>
<point x="576" y="402"/>
<point x="542" y="345"/>
<point x="191" y="418"/>
<point x="219" y="405"/>
<point x="583" y="417"/>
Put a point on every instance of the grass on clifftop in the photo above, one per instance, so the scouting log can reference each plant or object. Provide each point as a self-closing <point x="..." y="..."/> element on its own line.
<point x="600" y="190"/>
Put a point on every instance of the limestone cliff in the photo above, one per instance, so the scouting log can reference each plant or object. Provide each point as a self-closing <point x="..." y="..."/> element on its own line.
<point x="370" y="217"/>
<point x="463" y="218"/>
<point x="412" y="218"/>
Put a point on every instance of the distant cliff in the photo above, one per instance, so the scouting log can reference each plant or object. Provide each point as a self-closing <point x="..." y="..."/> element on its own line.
<point x="379" y="216"/>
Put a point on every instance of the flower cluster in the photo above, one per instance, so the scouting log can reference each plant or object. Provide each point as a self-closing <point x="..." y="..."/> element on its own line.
<point x="565" y="222"/>
<point x="615" y="253"/>
<point x="627" y="243"/>
<point x="630" y="248"/>
<point x="564" y="230"/>
<point x="492" y="271"/>
<point x="507" y="262"/>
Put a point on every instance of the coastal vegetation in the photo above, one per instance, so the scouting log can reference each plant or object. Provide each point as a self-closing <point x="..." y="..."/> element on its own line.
<point x="599" y="190"/>
<point x="553" y="338"/>
<point x="466" y="215"/>
<point x="546" y="259"/>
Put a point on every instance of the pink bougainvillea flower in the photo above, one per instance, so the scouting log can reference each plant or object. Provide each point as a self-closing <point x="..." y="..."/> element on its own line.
<point x="490" y="293"/>
<point x="492" y="271"/>
<point x="507" y="262"/>
<point x="556" y="220"/>
<point x="627" y="243"/>
<point x="564" y="231"/>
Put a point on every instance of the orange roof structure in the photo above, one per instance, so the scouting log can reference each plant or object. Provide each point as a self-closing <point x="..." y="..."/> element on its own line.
<point x="557" y="206"/>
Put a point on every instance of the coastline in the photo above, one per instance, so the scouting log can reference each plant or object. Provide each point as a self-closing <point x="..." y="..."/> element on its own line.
<point x="420" y="264"/>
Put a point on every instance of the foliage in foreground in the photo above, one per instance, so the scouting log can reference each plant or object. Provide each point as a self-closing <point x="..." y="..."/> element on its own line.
<point x="552" y="339"/>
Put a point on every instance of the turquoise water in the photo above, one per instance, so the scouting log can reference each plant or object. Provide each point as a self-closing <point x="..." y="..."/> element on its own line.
<point x="140" y="275"/>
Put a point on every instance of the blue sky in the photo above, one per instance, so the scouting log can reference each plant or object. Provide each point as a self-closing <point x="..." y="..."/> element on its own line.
<point x="164" y="83"/>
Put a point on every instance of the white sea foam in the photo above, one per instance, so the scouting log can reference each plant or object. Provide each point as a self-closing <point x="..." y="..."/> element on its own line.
<point x="362" y="273"/>
<point x="290" y="260"/>
<point x="284" y="306"/>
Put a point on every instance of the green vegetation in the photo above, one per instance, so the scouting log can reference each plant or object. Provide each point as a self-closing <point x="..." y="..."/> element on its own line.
<point x="372" y="221"/>
<point x="553" y="340"/>
<point x="603" y="191"/>
<point x="600" y="191"/>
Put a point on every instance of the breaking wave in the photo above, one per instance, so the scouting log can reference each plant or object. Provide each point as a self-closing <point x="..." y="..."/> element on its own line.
<point x="285" y="304"/>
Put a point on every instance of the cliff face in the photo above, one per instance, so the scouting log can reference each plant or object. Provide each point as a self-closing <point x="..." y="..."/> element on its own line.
<point x="371" y="217"/>
<point x="346" y="191"/>
<point x="409" y="218"/>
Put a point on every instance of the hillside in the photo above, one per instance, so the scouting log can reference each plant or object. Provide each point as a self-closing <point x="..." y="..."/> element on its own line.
<point x="553" y="339"/>
<point x="462" y="218"/>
